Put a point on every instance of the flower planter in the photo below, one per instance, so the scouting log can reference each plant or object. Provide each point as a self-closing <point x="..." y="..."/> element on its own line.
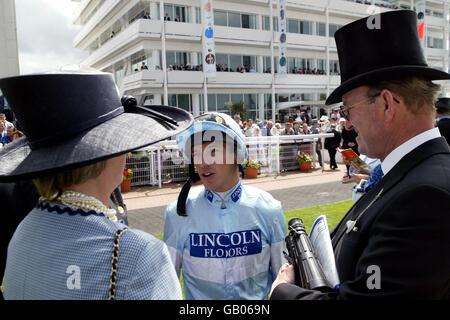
<point x="251" y="173"/>
<point x="305" y="166"/>
<point x="125" y="186"/>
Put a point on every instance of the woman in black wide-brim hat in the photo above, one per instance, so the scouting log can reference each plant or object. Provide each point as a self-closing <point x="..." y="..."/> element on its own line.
<point x="77" y="134"/>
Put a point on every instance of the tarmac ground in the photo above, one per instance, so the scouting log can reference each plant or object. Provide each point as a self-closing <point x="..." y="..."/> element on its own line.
<point x="294" y="189"/>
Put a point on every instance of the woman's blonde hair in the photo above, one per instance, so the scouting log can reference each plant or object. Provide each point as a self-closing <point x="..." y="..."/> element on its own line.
<point x="416" y="92"/>
<point x="51" y="186"/>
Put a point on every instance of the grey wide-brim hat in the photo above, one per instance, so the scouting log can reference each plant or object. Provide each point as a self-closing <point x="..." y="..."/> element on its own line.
<point x="74" y="119"/>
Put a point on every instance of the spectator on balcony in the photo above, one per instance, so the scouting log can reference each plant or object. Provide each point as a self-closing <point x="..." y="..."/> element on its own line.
<point x="304" y="129"/>
<point x="262" y="129"/>
<point x="296" y="127"/>
<point x="324" y="123"/>
<point x="225" y="67"/>
<point x="249" y="131"/>
<point x="287" y="131"/>
<point x="237" y="118"/>
<point x="291" y="120"/>
<point x="177" y="19"/>
<point x="2" y="131"/>
<point x="146" y="16"/>
<point x="252" y="69"/>
<point x="308" y="115"/>
<point x="269" y="128"/>
<point x="276" y="130"/>
<point x="166" y="17"/>
<point x="3" y="118"/>
<point x="298" y="115"/>
<point x="335" y="115"/>
<point x="144" y="66"/>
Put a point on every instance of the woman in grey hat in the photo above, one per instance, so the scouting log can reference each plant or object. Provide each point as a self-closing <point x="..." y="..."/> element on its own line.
<point x="70" y="246"/>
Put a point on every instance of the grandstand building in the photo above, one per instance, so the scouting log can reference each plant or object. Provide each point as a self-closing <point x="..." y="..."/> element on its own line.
<point x="154" y="49"/>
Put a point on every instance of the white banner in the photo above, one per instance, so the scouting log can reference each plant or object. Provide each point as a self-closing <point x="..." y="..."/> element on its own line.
<point x="420" y="10"/>
<point x="282" y="58"/>
<point x="209" y="52"/>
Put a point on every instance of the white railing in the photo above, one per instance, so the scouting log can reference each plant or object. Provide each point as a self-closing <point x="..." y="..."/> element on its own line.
<point x="161" y="161"/>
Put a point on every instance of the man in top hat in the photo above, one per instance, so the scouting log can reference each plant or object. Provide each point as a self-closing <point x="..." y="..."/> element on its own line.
<point x="443" y="117"/>
<point x="395" y="241"/>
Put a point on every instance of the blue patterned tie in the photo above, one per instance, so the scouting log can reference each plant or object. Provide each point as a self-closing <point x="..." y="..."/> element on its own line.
<point x="375" y="176"/>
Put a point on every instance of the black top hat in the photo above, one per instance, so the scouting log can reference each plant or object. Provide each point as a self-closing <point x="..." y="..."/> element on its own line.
<point x="75" y="119"/>
<point x="380" y="47"/>
<point x="443" y="104"/>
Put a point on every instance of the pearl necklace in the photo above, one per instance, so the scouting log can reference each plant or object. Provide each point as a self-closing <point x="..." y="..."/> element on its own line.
<point x="79" y="200"/>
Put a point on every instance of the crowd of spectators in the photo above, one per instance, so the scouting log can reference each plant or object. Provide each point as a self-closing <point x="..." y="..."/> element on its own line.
<point x="226" y="68"/>
<point x="304" y="123"/>
<point x="301" y="122"/>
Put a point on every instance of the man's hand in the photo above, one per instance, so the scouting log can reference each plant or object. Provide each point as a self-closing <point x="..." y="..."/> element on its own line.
<point x="285" y="275"/>
<point x="356" y="178"/>
<point x="359" y="169"/>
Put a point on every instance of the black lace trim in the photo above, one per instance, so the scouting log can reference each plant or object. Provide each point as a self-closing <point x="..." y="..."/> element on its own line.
<point x="64" y="209"/>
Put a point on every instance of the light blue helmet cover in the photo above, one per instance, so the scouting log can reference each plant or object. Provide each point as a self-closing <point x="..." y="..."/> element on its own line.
<point x="210" y="123"/>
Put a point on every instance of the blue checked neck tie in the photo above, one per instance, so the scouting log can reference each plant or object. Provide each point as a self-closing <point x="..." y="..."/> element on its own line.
<point x="375" y="176"/>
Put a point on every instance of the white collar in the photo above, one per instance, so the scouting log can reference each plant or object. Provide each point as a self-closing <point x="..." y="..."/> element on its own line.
<point x="398" y="153"/>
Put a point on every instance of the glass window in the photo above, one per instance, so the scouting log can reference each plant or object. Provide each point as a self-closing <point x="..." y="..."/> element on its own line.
<point x="253" y="62"/>
<point x="291" y="65"/>
<point x="180" y="12"/>
<point x="234" y="19"/>
<point x="321" y="65"/>
<point x="252" y="21"/>
<point x="221" y="59"/>
<point x="212" y="104"/>
<point x="220" y="18"/>
<point x="184" y="102"/>
<point x="181" y="58"/>
<point x="321" y="29"/>
<point x="246" y="61"/>
<point x="198" y="16"/>
<point x="283" y="97"/>
<point x="169" y="10"/>
<point x="299" y="63"/>
<point x="333" y="29"/>
<point x="275" y="23"/>
<point x="172" y="100"/>
<point x="222" y="99"/>
<point x="170" y="58"/>
<point x="235" y="62"/>
<point x="306" y="27"/>
<point x="236" y="98"/>
<point x="292" y="26"/>
<point x="245" y="21"/>
<point x="250" y="101"/>
<point x="265" y="23"/>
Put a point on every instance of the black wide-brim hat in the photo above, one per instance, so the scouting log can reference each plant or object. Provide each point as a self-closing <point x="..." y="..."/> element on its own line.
<point x="75" y="119"/>
<point x="380" y="47"/>
<point x="443" y="104"/>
